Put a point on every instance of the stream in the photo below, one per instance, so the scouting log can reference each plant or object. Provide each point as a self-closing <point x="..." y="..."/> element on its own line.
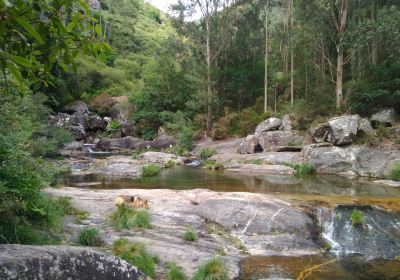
<point x="369" y="251"/>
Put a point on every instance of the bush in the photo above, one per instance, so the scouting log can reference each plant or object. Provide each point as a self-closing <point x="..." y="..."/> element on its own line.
<point x="357" y="218"/>
<point x="151" y="170"/>
<point x="128" y="218"/>
<point x="394" y="173"/>
<point x="213" y="165"/>
<point x="136" y="255"/>
<point x="175" y="273"/>
<point x="90" y="237"/>
<point x="214" y="269"/>
<point x="169" y="164"/>
<point x="304" y="169"/>
<point x="190" y="235"/>
<point x="207" y="152"/>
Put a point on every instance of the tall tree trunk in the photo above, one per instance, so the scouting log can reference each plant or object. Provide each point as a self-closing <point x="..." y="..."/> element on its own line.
<point x="209" y="92"/>
<point x="286" y="38"/>
<point x="291" y="57"/>
<point x="339" y="78"/>
<point x="266" y="61"/>
<point x="374" y="47"/>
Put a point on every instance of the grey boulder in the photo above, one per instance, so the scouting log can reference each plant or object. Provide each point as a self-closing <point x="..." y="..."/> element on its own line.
<point x="62" y="262"/>
<point x="386" y="117"/>
<point x="268" y="125"/>
<point x="343" y="129"/>
<point x="75" y="107"/>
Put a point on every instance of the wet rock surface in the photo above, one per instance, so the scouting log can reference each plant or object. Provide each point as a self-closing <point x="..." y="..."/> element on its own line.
<point x="241" y="224"/>
<point x="385" y="117"/>
<point x="24" y="262"/>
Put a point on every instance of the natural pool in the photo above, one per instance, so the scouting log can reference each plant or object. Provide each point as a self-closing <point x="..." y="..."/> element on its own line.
<point x="321" y="192"/>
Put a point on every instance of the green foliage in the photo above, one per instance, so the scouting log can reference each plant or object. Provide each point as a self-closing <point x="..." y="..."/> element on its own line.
<point x="29" y="56"/>
<point x="380" y="89"/>
<point x="136" y="255"/>
<point x="394" y="173"/>
<point x="170" y="164"/>
<point x="151" y="170"/>
<point x="304" y="169"/>
<point x="190" y="235"/>
<point x="357" y="218"/>
<point x="327" y="247"/>
<point x="207" y="152"/>
<point x="26" y="215"/>
<point x="90" y="237"/>
<point x="214" y="269"/>
<point x="128" y="218"/>
<point x="175" y="272"/>
<point x="114" y="125"/>
<point x="183" y="130"/>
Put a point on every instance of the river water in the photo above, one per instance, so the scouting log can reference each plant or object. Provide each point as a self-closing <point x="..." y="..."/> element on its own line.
<point x="368" y="252"/>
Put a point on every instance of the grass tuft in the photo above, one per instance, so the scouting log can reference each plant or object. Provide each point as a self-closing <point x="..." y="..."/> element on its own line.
<point x="357" y="218"/>
<point x="169" y="164"/>
<point x="151" y="170"/>
<point x="394" y="174"/>
<point x="304" y="169"/>
<point x="175" y="272"/>
<point x="90" y="237"/>
<point x="128" y="218"/>
<point x="206" y="153"/>
<point x="190" y="235"/>
<point x="136" y="255"/>
<point x="214" y="269"/>
<point x="213" y="165"/>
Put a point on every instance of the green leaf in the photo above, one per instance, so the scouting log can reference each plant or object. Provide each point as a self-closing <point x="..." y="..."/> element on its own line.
<point x="98" y="30"/>
<point x="21" y="61"/>
<point x="71" y="26"/>
<point x="15" y="72"/>
<point x="30" y="29"/>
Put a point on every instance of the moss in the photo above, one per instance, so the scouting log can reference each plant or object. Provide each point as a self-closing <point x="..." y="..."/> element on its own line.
<point x="214" y="269"/>
<point x="136" y="255"/>
<point x="190" y="235"/>
<point x="151" y="170"/>
<point x="128" y="218"/>
<point x="90" y="237"/>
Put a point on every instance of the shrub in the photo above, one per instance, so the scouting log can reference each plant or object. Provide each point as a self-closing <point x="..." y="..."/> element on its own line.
<point x="90" y="237"/>
<point x="357" y="218"/>
<point x="113" y="126"/>
<point x="136" y="255"/>
<point x="304" y="169"/>
<point x="214" y="269"/>
<point x="128" y="218"/>
<point x="175" y="272"/>
<point x="394" y="174"/>
<point x="169" y="164"/>
<point x="208" y="152"/>
<point x="151" y="170"/>
<point x="190" y="235"/>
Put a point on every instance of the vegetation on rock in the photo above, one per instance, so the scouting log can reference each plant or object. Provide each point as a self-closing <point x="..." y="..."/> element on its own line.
<point x="357" y="218"/>
<point x="395" y="173"/>
<point x="175" y="272"/>
<point x="127" y="218"/>
<point x="190" y="235"/>
<point x="213" y="269"/>
<point x="90" y="237"/>
<point x="151" y="170"/>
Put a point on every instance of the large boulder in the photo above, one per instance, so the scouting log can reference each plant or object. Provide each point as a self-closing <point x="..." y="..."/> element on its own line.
<point x="268" y="125"/>
<point x="373" y="162"/>
<point x="162" y="141"/>
<point x="287" y="123"/>
<point x="327" y="158"/>
<point x="127" y="129"/>
<point x="320" y="132"/>
<point x="109" y="144"/>
<point x="77" y="123"/>
<point x="62" y="262"/>
<point x="364" y="127"/>
<point x="96" y="123"/>
<point x="343" y="129"/>
<point x="75" y="107"/>
<point x="271" y="140"/>
<point x="386" y="117"/>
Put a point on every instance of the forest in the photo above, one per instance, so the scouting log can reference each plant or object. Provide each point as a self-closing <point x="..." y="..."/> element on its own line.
<point x="213" y="77"/>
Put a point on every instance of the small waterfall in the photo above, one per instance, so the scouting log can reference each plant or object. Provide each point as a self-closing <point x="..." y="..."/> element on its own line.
<point x="377" y="237"/>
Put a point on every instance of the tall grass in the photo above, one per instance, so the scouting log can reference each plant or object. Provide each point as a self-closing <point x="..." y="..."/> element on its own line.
<point x="90" y="237"/>
<point x="214" y="269"/>
<point x="128" y="218"/>
<point x="136" y="255"/>
<point x="175" y="272"/>
<point x="206" y="153"/>
<point x="190" y="235"/>
<point x="151" y="170"/>
<point x="394" y="173"/>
